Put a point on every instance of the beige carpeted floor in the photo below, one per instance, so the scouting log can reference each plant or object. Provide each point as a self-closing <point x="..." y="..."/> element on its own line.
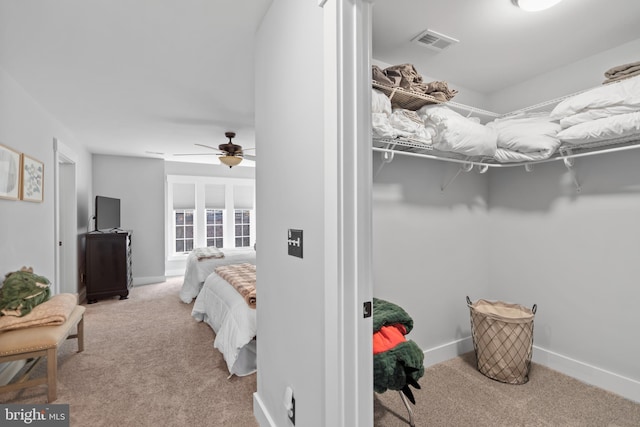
<point x="147" y="363"/>
<point x="455" y="393"/>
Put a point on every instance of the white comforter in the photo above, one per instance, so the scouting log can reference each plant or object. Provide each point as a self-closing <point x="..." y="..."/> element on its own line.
<point x="625" y="92"/>
<point x="606" y="128"/>
<point x="607" y="112"/>
<point x="197" y="271"/>
<point x="525" y="137"/>
<point x="454" y="132"/>
<point x="394" y="123"/>
<point x="222" y="307"/>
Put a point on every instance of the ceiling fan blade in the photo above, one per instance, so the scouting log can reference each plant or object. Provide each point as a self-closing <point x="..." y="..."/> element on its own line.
<point x="197" y="154"/>
<point x="249" y="156"/>
<point x="207" y="146"/>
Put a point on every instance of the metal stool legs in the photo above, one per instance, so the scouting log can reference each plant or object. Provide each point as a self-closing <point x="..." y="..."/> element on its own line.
<point x="406" y="404"/>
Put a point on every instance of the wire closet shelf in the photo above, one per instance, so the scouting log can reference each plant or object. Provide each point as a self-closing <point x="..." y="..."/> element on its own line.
<point x="402" y="98"/>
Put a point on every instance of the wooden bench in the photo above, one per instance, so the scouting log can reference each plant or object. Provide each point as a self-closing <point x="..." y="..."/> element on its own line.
<point x="38" y="342"/>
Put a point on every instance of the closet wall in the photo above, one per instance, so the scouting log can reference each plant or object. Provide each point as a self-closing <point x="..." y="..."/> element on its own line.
<point x="526" y="237"/>
<point x="430" y="248"/>
<point x="575" y="255"/>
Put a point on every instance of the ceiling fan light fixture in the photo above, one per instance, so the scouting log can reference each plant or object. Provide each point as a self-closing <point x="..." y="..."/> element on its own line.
<point x="230" y="160"/>
<point x="535" y="5"/>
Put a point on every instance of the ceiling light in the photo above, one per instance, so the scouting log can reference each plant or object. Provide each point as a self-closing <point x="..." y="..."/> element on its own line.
<point x="230" y="160"/>
<point x="535" y="5"/>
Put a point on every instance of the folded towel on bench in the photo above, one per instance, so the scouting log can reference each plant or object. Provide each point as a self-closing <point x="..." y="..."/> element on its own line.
<point x="53" y="312"/>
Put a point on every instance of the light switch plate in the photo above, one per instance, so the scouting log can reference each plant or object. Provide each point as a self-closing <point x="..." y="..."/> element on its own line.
<point x="294" y="242"/>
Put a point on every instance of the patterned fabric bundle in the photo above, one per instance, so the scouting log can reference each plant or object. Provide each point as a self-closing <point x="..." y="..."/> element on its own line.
<point x="21" y="291"/>
<point x="397" y="362"/>
<point x="243" y="278"/>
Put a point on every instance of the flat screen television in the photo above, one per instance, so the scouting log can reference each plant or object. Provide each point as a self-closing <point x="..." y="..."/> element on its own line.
<point x="107" y="213"/>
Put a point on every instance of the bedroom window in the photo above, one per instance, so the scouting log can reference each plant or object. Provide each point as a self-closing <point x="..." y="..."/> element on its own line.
<point x="207" y="212"/>
<point x="215" y="227"/>
<point x="184" y="230"/>
<point x="242" y="227"/>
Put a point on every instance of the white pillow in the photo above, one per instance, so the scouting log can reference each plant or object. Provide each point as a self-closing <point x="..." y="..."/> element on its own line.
<point x="527" y="133"/>
<point x="623" y="92"/>
<point x="596" y="114"/>
<point x="602" y="129"/>
<point x="454" y="132"/>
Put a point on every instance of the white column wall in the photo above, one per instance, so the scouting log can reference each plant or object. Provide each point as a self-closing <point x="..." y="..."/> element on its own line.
<point x="290" y="194"/>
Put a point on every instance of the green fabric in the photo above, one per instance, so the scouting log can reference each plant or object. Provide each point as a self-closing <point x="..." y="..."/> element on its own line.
<point x="388" y="313"/>
<point x="391" y="368"/>
<point x="21" y="291"/>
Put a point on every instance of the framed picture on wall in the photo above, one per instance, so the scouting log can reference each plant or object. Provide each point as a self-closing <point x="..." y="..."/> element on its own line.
<point x="32" y="179"/>
<point x="9" y="173"/>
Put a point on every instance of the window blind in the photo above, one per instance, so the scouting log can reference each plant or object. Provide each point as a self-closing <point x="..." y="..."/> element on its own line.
<point x="184" y="196"/>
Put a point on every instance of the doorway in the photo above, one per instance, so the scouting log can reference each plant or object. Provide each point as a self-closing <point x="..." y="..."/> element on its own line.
<point x="66" y="223"/>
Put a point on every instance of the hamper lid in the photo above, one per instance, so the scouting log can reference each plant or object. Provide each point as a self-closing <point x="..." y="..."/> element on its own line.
<point x="503" y="310"/>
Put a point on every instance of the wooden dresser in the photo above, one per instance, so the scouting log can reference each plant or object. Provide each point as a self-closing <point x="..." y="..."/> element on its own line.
<point x="108" y="264"/>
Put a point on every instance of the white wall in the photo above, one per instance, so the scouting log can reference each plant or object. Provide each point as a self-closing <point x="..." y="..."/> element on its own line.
<point x="139" y="184"/>
<point x="572" y="78"/>
<point x="289" y="188"/>
<point x="27" y="229"/>
<point x="431" y="248"/>
<point x="575" y="255"/>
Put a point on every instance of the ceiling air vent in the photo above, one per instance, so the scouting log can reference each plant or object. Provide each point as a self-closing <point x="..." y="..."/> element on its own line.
<point x="434" y="40"/>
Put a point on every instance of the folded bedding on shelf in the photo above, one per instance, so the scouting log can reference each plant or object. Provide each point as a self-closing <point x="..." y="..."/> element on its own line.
<point x="623" y="71"/>
<point x="395" y="123"/>
<point x="525" y="137"/>
<point x="456" y="133"/>
<point x="605" y="113"/>
<point x="597" y="113"/>
<point x="626" y="92"/>
<point x="407" y="77"/>
<point x="603" y="129"/>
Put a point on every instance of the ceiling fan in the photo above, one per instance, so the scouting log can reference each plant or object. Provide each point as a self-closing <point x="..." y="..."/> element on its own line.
<point x="230" y="154"/>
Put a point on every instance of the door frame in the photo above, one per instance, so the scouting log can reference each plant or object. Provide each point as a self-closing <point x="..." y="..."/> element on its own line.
<point x="65" y="220"/>
<point x="348" y="359"/>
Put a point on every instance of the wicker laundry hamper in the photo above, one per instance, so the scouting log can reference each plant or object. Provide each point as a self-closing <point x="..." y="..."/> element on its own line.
<point x="502" y="339"/>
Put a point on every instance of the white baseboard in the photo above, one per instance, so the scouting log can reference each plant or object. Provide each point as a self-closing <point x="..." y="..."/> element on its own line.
<point x="139" y="281"/>
<point x="260" y="412"/>
<point x="618" y="384"/>
<point x="610" y="381"/>
<point x="176" y="272"/>
<point x="447" y="351"/>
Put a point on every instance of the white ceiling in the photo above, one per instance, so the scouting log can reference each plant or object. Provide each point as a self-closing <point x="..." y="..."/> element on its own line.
<point x="131" y="77"/>
<point x="136" y="76"/>
<point x="500" y="45"/>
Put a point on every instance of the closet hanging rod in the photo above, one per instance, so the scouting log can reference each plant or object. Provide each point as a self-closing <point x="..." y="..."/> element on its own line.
<point x="632" y="142"/>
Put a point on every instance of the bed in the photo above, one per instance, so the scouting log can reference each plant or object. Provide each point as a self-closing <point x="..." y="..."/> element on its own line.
<point x="197" y="270"/>
<point x="604" y="117"/>
<point x="227" y="312"/>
